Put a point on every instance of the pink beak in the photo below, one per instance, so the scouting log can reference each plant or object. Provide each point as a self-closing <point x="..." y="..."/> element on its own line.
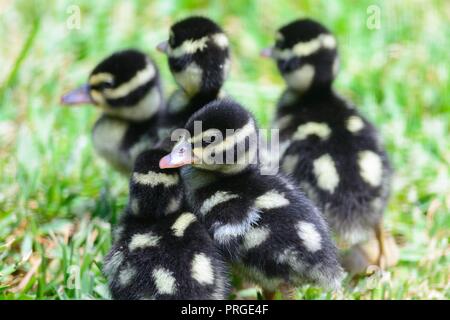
<point x="162" y="47"/>
<point x="266" y="52"/>
<point x="178" y="157"/>
<point x="78" y="96"/>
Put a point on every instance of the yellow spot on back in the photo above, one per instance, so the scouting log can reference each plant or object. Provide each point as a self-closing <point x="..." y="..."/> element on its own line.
<point x="371" y="167"/>
<point x="155" y="178"/>
<point x="202" y="270"/>
<point x="271" y="200"/>
<point x="354" y="124"/>
<point x="255" y="237"/>
<point x="164" y="281"/>
<point x="326" y="174"/>
<point x="143" y="240"/>
<point x="309" y="235"/>
<point x="320" y="129"/>
<point x="182" y="223"/>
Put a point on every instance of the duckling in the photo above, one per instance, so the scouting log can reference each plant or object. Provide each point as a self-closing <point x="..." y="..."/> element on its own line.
<point x="331" y="150"/>
<point x="199" y="60"/>
<point x="126" y="87"/>
<point x="264" y="226"/>
<point x="160" y="250"/>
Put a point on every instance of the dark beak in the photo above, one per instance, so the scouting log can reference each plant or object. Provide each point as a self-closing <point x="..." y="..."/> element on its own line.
<point x="78" y="96"/>
<point x="162" y="47"/>
<point x="266" y="52"/>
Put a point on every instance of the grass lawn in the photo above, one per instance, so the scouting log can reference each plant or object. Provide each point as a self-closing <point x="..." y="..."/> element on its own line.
<point x="58" y="200"/>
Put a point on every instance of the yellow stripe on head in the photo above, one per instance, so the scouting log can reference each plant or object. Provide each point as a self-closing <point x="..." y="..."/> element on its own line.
<point x="239" y="136"/>
<point x="221" y="40"/>
<point x="191" y="46"/>
<point x="138" y="80"/>
<point x="101" y="78"/>
<point x="303" y="49"/>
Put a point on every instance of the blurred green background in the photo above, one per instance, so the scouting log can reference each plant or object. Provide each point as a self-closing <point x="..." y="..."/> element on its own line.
<point x="58" y="200"/>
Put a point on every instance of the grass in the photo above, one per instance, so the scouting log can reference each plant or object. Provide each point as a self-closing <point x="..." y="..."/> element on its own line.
<point x="58" y="200"/>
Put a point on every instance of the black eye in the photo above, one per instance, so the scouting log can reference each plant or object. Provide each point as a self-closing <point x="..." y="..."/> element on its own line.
<point x="278" y="43"/>
<point x="208" y="140"/>
<point x="181" y="151"/>
<point x="289" y="65"/>
<point x="105" y="85"/>
<point x="178" y="64"/>
<point x="172" y="42"/>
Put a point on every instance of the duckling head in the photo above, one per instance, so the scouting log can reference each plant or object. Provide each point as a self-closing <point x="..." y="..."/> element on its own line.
<point x="125" y="84"/>
<point x="306" y="55"/>
<point x="221" y="137"/>
<point x="198" y="55"/>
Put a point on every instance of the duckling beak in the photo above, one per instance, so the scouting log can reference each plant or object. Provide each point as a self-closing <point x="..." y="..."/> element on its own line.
<point x="181" y="155"/>
<point x="78" y="96"/>
<point x="266" y="52"/>
<point x="162" y="47"/>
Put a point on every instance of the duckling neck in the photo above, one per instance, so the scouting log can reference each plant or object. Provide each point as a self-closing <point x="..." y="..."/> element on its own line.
<point x="182" y="103"/>
<point x="291" y="98"/>
<point x="204" y="97"/>
<point x="163" y="195"/>
<point x="316" y="91"/>
<point x="195" y="179"/>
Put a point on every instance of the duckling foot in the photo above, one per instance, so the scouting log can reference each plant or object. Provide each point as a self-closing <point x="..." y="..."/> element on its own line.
<point x="381" y="251"/>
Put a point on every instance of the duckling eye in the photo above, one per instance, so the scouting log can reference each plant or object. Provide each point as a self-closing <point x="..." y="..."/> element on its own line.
<point x="171" y="41"/>
<point x="289" y="65"/>
<point x="105" y="85"/>
<point x="208" y="140"/>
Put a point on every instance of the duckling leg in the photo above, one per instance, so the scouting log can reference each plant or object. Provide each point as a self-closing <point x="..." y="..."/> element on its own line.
<point x="380" y="236"/>
<point x="288" y="292"/>
<point x="268" y="294"/>
<point x="388" y="250"/>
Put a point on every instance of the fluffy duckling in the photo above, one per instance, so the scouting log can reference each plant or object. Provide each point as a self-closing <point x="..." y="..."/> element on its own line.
<point x="199" y="60"/>
<point x="331" y="150"/>
<point x="272" y="233"/>
<point x="161" y="251"/>
<point x="126" y="87"/>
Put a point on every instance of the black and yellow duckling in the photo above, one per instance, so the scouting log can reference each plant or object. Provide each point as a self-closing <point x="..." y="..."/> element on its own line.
<point x="199" y="60"/>
<point x="126" y="87"/>
<point x="275" y="236"/>
<point x="331" y="150"/>
<point x="160" y="250"/>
